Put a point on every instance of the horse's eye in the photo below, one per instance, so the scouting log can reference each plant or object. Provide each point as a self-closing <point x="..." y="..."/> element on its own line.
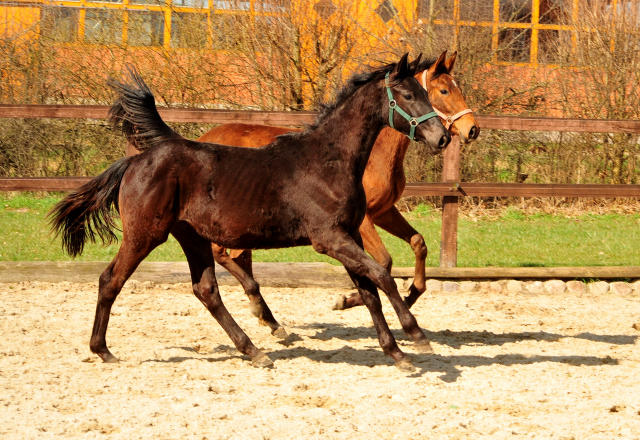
<point x="408" y="97"/>
<point x="444" y="91"/>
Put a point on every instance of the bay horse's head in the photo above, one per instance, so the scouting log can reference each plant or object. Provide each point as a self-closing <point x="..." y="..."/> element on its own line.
<point x="409" y="109"/>
<point x="447" y="100"/>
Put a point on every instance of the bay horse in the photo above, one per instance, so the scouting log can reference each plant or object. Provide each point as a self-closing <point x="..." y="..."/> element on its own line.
<point x="303" y="189"/>
<point x="384" y="181"/>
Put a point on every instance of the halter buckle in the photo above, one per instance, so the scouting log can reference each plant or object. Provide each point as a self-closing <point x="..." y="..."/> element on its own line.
<point x="413" y="122"/>
<point x="393" y="103"/>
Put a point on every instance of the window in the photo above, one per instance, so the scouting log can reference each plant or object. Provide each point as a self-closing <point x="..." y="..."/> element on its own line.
<point x="201" y="4"/>
<point x="224" y="31"/>
<point x="146" y="28"/>
<point x="514" y="45"/>
<point x="515" y="11"/>
<point x="476" y="10"/>
<point x="59" y="24"/>
<point x="234" y="5"/>
<point x="385" y="10"/>
<point x="103" y="26"/>
<point x="272" y="5"/>
<point x="147" y="2"/>
<point x="555" y="11"/>
<point x="188" y="30"/>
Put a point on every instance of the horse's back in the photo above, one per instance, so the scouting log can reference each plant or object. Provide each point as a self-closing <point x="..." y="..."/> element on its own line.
<point x="244" y="135"/>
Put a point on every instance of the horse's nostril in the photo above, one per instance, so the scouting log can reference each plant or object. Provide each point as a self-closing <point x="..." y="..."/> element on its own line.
<point x="444" y="141"/>
<point x="473" y="133"/>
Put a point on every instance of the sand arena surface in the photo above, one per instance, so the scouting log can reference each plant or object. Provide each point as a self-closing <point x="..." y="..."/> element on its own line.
<point x="506" y="366"/>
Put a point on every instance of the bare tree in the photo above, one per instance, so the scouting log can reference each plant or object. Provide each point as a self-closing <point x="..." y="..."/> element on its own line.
<point x="296" y="57"/>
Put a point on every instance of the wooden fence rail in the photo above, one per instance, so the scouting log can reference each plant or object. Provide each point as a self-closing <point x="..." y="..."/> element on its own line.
<point x="413" y="189"/>
<point x="514" y="123"/>
<point x="450" y="189"/>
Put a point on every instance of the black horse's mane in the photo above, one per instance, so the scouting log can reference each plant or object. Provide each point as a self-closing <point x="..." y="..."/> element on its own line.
<point x="358" y="80"/>
<point x="135" y="112"/>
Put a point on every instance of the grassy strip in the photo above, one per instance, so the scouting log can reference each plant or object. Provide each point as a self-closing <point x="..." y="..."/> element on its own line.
<point x="512" y="240"/>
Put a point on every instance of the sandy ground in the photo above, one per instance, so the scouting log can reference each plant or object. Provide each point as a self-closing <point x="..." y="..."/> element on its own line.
<point x="506" y="366"/>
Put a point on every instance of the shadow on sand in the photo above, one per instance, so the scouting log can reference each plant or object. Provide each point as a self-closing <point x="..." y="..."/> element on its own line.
<point x="457" y="339"/>
<point x="449" y="365"/>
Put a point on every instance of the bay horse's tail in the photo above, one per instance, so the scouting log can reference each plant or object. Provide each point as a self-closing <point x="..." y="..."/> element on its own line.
<point x="87" y="211"/>
<point x="136" y="114"/>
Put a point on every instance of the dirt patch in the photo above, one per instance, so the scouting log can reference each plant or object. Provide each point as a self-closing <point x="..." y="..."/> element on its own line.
<point x="504" y="366"/>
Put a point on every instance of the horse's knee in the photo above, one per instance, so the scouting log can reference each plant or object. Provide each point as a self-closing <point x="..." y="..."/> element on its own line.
<point x="419" y="247"/>
<point x="207" y="292"/>
<point x="385" y="281"/>
<point x="252" y="288"/>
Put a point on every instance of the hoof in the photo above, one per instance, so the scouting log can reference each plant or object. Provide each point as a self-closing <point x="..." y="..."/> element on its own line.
<point x="108" y="358"/>
<point x="405" y="365"/>
<point x="341" y="303"/>
<point x="261" y="360"/>
<point x="280" y="333"/>
<point x="423" y="346"/>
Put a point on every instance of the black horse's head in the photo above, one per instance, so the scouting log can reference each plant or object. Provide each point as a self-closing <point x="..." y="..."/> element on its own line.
<point x="407" y="107"/>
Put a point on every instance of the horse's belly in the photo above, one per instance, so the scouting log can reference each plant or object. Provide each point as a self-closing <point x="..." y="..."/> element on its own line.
<point x="252" y="230"/>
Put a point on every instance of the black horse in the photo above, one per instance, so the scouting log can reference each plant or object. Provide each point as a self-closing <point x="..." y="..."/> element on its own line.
<point x="303" y="189"/>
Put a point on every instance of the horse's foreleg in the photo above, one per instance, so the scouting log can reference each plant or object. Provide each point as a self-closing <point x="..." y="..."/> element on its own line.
<point x="394" y="223"/>
<point x="369" y="294"/>
<point x="205" y="287"/>
<point x="110" y="284"/>
<point x="345" y="249"/>
<point x="240" y="268"/>
<point x="374" y="246"/>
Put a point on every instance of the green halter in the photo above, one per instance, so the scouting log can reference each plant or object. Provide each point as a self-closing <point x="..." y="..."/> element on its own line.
<point x="393" y="106"/>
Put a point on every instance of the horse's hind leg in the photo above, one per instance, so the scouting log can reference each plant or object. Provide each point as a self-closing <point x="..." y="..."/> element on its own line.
<point x="240" y="268"/>
<point x="205" y="287"/>
<point x="110" y="284"/>
<point x="394" y="223"/>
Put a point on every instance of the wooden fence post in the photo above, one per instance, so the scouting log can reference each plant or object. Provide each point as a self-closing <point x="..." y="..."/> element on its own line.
<point x="450" y="173"/>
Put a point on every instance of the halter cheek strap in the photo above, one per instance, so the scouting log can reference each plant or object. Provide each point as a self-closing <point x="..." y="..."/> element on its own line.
<point x="448" y="120"/>
<point x="393" y="107"/>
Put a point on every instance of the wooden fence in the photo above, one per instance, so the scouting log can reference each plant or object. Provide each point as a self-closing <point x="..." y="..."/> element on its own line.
<point x="450" y="189"/>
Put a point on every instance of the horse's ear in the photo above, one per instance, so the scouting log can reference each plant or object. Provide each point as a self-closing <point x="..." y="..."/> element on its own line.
<point x="413" y="65"/>
<point x="451" y="62"/>
<point x="439" y="67"/>
<point x="402" y="68"/>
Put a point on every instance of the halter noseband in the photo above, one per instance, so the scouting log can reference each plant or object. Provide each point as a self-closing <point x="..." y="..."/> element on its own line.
<point x="449" y="120"/>
<point x="393" y="106"/>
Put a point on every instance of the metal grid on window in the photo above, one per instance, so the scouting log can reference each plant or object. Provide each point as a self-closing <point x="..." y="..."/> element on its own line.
<point x="163" y="23"/>
<point x="522" y="30"/>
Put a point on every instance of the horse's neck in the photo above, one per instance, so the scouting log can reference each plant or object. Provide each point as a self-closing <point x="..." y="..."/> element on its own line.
<point x="352" y="128"/>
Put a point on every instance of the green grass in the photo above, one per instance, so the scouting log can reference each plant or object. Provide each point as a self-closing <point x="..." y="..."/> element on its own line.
<point x="512" y="240"/>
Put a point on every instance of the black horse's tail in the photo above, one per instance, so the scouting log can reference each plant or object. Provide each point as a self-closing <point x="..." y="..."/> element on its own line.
<point x="136" y="114"/>
<point x="86" y="212"/>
